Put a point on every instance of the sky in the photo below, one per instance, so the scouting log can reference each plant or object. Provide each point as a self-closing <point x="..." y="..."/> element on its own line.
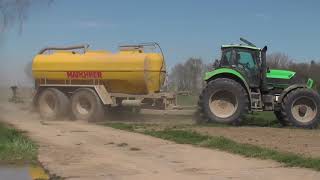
<point x="184" y="28"/>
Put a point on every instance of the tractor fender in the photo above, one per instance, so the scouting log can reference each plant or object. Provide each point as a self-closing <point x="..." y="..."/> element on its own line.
<point x="231" y="74"/>
<point x="289" y="89"/>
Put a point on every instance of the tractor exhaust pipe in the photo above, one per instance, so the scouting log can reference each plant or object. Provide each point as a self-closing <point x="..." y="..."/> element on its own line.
<point x="247" y="42"/>
<point x="264" y="68"/>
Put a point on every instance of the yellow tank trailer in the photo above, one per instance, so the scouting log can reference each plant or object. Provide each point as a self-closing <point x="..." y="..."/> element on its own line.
<point x="129" y="71"/>
<point x="87" y="81"/>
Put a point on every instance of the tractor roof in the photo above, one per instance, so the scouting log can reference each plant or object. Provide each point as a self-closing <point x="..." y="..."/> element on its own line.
<point x="240" y="46"/>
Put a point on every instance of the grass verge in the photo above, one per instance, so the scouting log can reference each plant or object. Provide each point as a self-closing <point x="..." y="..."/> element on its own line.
<point x="224" y="144"/>
<point x="15" y="147"/>
<point x="261" y="119"/>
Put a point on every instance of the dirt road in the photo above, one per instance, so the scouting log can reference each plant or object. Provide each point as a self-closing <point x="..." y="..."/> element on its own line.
<point x="77" y="150"/>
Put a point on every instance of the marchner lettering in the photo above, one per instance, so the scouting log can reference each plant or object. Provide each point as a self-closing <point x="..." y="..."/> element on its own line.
<point x="84" y="75"/>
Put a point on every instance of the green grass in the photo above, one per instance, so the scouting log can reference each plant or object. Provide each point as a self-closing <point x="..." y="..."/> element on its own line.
<point x="121" y="126"/>
<point x="224" y="144"/>
<point x="16" y="148"/>
<point x="262" y="119"/>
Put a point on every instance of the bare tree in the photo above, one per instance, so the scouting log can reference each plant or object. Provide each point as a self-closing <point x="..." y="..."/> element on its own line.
<point x="187" y="76"/>
<point x="15" y="12"/>
<point x="12" y="12"/>
<point x="195" y="70"/>
<point x="175" y="78"/>
<point x="314" y="71"/>
<point x="278" y="60"/>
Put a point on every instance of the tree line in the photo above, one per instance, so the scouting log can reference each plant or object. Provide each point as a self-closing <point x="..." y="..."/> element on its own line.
<point x="188" y="76"/>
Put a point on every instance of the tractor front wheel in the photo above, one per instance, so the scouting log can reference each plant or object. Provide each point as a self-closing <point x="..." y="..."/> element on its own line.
<point x="223" y="100"/>
<point x="301" y="108"/>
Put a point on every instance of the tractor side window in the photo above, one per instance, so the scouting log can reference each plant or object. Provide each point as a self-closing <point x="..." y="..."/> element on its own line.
<point x="246" y="59"/>
<point x="226" y="58"/>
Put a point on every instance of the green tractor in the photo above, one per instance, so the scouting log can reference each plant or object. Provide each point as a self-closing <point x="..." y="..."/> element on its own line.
<point x="241" y="82"/>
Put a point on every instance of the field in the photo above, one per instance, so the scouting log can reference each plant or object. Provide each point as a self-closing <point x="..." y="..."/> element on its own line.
<point x="260" y="129"/>
<point x="259" y="135"/>
<point x="152" y="148"/>
<point x="191" y="136"/>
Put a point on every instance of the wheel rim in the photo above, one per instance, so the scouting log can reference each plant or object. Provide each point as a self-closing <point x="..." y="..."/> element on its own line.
<point x="304" y="109"/>
<point x="223" y="104"/>
<point x="47" y="104"/>
<point x="83" y="106"/>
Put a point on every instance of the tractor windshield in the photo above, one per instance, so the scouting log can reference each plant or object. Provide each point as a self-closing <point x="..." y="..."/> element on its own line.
<point x="239" y="57"/>
<point x="245" y="59"/>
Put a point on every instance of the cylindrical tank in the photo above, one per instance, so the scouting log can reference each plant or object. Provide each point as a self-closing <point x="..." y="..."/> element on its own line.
<point x="129" y="71"/>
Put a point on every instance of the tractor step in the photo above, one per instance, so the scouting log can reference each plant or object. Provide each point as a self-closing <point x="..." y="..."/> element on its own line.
<point x="256" y="102"/>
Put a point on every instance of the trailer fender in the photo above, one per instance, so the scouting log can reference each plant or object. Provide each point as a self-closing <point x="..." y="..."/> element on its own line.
<point x="103" y="94"/>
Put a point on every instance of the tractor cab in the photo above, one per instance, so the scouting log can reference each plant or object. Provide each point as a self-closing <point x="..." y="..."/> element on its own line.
<point x="250" y="62"/>
<point x="244" y="59"/>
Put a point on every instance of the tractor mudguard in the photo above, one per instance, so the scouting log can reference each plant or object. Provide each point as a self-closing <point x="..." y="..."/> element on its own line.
<point x="210" y="74"/>
<point x="228" y="73"/>
<point x="289" y="89"/>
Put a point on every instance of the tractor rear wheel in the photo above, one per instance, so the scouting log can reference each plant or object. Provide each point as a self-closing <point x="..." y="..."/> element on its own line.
<point x="52" y="104"/>
<point x="223" y="100"/>
<point x="301" y="108"/>
<point x="86" y="105"/>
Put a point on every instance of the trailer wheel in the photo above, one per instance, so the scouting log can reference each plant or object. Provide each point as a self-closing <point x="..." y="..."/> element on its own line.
<point x="53" y="104"/>
<point x="86" y="105"/>
<point x="301" y="108"/>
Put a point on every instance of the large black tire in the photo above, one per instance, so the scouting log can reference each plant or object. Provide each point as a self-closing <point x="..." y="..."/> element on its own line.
<point x="300" y="107"/>
<point x="52" y="104"/>
<point x="223" y="100"/>
<point x="86" y="105"/>
<point x="280" y="118"/>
